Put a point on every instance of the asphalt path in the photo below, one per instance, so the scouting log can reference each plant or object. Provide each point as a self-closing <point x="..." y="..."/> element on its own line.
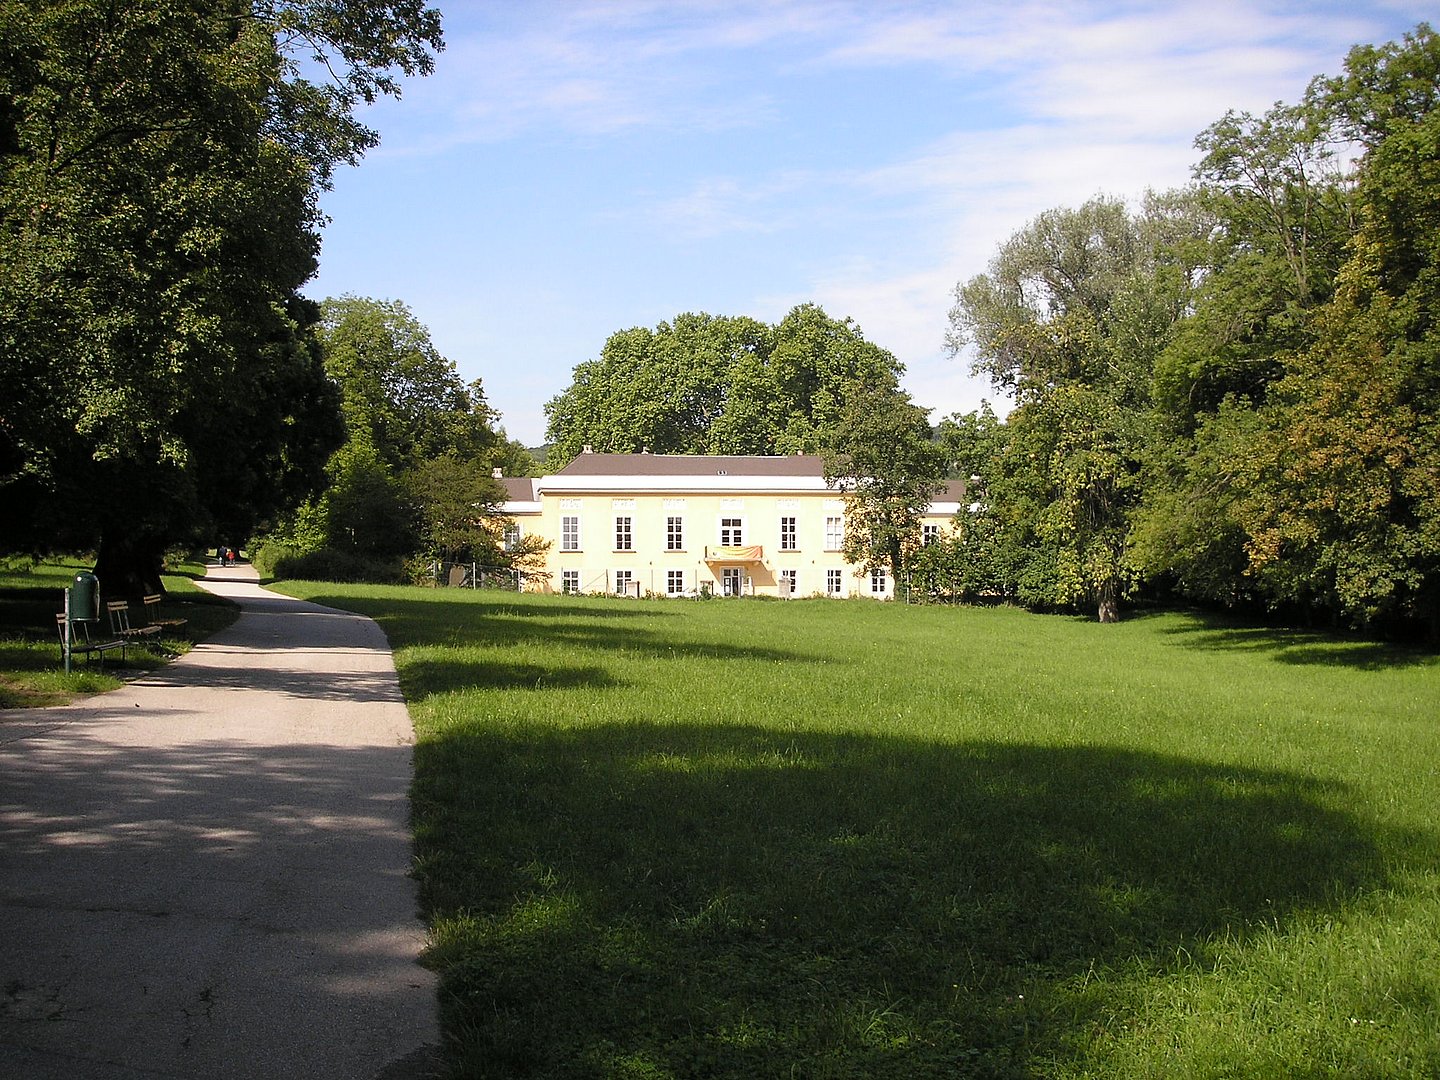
<point x="204" y="873"/>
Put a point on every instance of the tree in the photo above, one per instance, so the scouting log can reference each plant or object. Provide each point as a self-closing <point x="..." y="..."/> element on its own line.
<point x="396" y="390"/>
<point x="882" y="457"/>
<point x="1301" y="391"/>
<point x="705" y="384"/>
<point x="1070" y="318"/>
<point x="415" y="470"/>
<point x="159" y="166"/>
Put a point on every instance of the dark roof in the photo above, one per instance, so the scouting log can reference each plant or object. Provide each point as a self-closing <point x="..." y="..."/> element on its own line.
<point x="693" y="465"/>
<point x="954" y="492"/>
<point x="519" y="489"/>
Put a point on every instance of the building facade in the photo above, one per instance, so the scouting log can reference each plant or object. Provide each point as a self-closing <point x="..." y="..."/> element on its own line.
<point x="682" y="525"/>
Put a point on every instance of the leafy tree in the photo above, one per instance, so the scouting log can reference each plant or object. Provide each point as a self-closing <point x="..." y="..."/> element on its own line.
<point x="882" y="457"/>
<point x="707" y="384"/>
<point x="159" y="166"/>
<point x="397" y="392"/>
<point x="1301" y="392"/>
<point x="415" y="470"/>
<point x="1070" y="318"/>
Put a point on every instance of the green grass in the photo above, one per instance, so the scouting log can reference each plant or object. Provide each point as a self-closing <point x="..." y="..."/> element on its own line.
<point x="827" y="839"/>
<point x="31" y="670"/>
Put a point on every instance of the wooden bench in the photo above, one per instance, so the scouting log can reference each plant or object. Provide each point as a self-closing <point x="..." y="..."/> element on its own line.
<point x="75" y="636"/>
<point x="119" y="612"/>
<point x="152" y="614"/>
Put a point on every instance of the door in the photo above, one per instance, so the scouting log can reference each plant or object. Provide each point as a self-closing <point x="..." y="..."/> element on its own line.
<point x="730" y="581"/>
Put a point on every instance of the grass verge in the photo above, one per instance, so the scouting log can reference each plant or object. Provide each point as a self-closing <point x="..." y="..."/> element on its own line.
<point x="31" y="672"/>
<point x="828" y="839"/>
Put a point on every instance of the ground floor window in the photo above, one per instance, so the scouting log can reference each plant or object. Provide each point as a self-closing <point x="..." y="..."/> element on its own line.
<point x="790" y="578"/>
<point x="570" y="581"/>
<point x="877" y="581"/>
<point x="625" y="582"/>
<point x="834" y="582"/>
<point x="674" y="582"/>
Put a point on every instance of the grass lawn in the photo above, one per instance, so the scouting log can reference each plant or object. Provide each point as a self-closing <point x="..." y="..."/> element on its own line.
<point x="31" y="670"/>
<point x="849" y="839"/>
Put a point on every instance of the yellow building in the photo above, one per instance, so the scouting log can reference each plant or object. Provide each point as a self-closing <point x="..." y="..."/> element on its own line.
<point x="679" y="525"/>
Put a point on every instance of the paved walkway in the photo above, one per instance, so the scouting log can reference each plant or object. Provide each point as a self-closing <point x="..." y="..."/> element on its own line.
<point x="203" y="874"/>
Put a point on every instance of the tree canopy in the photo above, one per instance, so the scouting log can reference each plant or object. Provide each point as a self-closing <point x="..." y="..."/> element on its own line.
<point x="704" y="384"/>
<point x="160" y="160"/>
<point x="1232" y="393"/>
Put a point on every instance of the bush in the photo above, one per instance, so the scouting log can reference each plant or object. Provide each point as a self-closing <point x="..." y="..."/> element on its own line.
<point x="274" y="560"/>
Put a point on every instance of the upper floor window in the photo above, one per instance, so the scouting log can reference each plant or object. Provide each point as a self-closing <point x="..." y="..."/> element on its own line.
<point x="732" y="532"/>
<point x="511" y="537"/>
<point x="624" y="535"/>
<point x="570" y="532"/>
<point x="675" y="533"/>
<point x="929" y="534"/>
<point x="834" y="533"/>
<point x="788" y="540"/>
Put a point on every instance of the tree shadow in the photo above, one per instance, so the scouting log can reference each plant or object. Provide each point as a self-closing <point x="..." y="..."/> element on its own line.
<point x="163" y="904"/>
<point x="497" y="624"/>
<point x="735" y="902"/>
<point x="1299" y="647"/>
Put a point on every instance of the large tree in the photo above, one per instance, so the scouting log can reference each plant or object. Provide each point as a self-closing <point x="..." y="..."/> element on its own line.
<point x="1069" y="318"/>
<point x="1300" y="393"/>
<point x="703" y="384"/>
<point x="160" y="162"/>
<point x="420" y="445"/>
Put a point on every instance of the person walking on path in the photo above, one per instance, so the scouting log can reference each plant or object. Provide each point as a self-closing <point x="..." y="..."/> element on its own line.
<point x="205" y="873"/>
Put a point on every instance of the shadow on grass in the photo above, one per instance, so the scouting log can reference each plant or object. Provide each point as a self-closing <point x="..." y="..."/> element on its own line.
<point x="1299" y="647"/>
<point x="499" y="624"/>
<point x="733" y="902"/>
<point x="424" y="678"/>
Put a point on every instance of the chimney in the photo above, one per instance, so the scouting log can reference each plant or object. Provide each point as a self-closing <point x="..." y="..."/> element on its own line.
<point x="588" y="449"/>
<point x="498" y="473"/>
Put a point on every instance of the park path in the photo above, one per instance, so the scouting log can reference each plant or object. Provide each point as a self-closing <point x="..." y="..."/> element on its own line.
<point x="204" y="873"/>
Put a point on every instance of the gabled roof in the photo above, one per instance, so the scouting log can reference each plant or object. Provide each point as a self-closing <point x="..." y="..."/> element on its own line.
<point x="694" y="465"/>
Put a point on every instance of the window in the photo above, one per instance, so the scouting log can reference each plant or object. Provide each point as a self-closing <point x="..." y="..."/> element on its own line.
<point x="834" y="582"/>
<point x="877" y="581"/>
<point x="570" y="532"/>
<point x="792" y="579"/>
<point x="674" y="582"/>
<point x="624" y="582"/>
<point x="624" y="539"/>
<point x="929" y="534"/>
<point x="675" y="533"/>
<point x="511" y="537"/>
<point x="732" y="532"/>
<point x="787" y="534"/>
<point x="569" y="581"/>
<point x="834" y="533"/>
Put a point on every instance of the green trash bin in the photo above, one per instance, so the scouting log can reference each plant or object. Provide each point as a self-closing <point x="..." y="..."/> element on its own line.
<point x="85" y="597"/>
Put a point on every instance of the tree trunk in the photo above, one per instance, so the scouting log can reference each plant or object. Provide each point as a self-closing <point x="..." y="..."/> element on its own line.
<point x="130" y="566"/>
<point x="1109" y="601"/>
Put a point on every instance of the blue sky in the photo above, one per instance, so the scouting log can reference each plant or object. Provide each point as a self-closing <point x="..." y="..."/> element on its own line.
<point x="576" y="168"/>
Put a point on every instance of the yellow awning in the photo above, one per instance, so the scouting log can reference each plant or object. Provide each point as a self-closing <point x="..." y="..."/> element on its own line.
<point x="735" y="554"/>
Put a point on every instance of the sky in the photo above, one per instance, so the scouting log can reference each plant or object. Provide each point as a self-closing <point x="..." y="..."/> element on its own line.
<point x="572" y="169"/>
